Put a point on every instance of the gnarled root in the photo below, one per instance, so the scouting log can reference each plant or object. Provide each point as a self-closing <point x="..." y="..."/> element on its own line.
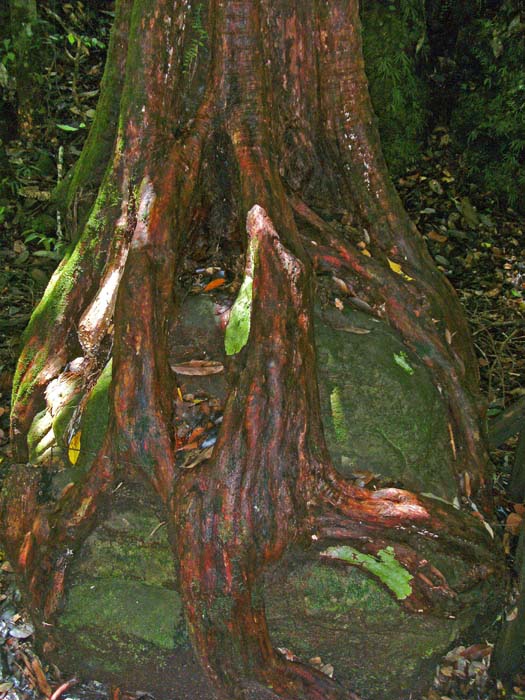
<point x="272" y="482"/>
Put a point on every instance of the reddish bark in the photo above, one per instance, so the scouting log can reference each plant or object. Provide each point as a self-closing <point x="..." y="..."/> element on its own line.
<point x="284" y="89"/>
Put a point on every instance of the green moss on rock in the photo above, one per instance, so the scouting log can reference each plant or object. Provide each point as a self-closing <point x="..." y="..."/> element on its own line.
<point x="377" y="416"/>
<point x="351" y="621"/>
<point x="124" y="547"/>
<point x="135" y="609"/>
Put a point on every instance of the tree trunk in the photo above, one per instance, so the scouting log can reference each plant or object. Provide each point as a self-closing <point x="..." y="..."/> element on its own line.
<point x="246" y="128"/>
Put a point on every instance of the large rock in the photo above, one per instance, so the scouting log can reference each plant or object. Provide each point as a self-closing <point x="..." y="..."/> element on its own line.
<point x="381" y="412"/>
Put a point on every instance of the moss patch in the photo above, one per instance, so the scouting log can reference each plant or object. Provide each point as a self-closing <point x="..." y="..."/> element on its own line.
<point x="124" y="607"/>
<point x="95" y="419"/>
<point x="124" y="548"/>
<point x="378" y="415"/>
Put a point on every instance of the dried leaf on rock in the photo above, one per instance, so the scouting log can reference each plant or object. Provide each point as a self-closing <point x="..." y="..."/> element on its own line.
<point x="203" y="456"/>
<point x="198" y="368"/>
<point x="214" y="284"/>
<point x="349" y="328"/>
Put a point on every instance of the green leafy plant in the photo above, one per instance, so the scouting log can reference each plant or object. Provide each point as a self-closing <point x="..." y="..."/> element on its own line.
<point x="489" y="120"/>
<point x="197" y="42"/>
<point x="384" y="565"/>
<point x="47" y="246"/>
<point x="394" y="45"/>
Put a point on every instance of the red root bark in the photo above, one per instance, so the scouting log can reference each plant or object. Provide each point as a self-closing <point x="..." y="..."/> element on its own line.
<point x="272" y="482"/>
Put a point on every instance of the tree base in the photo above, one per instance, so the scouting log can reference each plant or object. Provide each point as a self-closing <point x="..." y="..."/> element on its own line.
<point x="123" y="621"/>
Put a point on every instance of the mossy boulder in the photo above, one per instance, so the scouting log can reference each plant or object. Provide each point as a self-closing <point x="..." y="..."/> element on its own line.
<point x="381" y="412"/>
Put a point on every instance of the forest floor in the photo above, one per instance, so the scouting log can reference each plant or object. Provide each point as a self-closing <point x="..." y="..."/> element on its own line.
<point x="477" y="245"/>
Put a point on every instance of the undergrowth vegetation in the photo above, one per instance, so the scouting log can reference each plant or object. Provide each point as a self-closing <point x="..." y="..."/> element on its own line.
<point x="489" y="119"/>
<point x="67" y="51"/>
<point x="395" y="46"/>
<point x="69" y="45"/>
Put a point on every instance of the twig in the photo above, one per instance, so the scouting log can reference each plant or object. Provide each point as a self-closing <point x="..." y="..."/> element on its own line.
<point x="156" y="529"/>
<point x="62" y="688"/>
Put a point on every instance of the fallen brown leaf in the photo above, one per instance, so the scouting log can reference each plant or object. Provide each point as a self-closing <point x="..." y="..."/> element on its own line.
<point x="513" y="523"/>
<point x="189" y="446"/>
<point x="43" y="685"/>
<point x="202" y="457"/>
<point x="477" y="651"/>
<point x="198" y="368"/>
<point x="435" y="236"/>
<point x="214" y="284"/>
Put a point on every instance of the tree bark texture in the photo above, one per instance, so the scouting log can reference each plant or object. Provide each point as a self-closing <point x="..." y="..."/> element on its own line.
<point x="246" y="124"/>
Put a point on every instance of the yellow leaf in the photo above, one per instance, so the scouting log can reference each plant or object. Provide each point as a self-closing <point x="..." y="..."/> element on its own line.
<point x="74" y="448"/>
<point x="396" y="267"/>
<point x="366" y="252"/>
